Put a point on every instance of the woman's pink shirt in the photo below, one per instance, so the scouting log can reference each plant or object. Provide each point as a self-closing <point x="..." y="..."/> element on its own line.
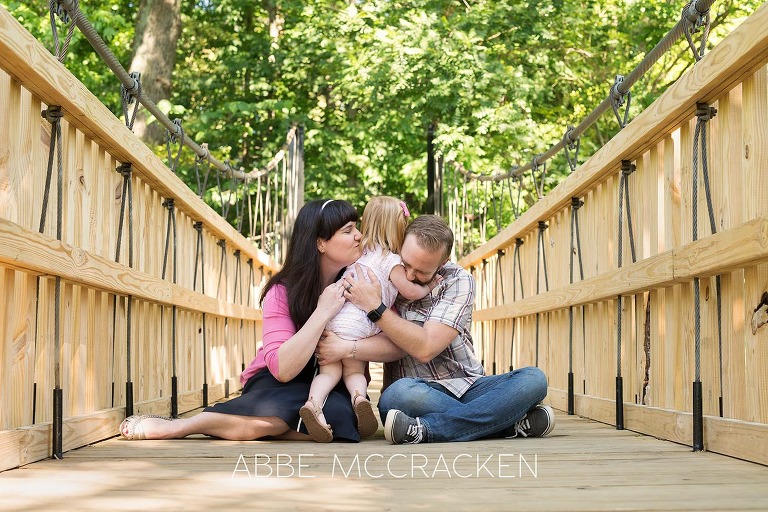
<point x="277" y="328"/>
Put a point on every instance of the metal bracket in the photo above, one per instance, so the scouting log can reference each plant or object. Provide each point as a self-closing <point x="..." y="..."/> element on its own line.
<point x="760" y="314"/>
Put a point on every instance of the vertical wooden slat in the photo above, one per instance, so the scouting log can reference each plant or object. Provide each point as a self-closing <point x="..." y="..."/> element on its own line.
<point x="44" y="349"/>
<point x="103" y="353"/>
<point x="9" y="106"/>
<point x="7" y="283"/>
<point x="23" y="143"/>
<point x="666" y="362"/>
<point x="685" y="300"/>
<point x="25" y="339"/>
<point x="755" y="113"/>
<point x="78" y="349"/>
<point x="119" y="365"/>
<point x="90" y="346"/>
<point x="731" y="152"/>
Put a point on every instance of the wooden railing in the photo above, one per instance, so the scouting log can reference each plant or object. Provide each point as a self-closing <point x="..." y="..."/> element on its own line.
<point x="570" y="325"/>
<point x="216" y="332"/>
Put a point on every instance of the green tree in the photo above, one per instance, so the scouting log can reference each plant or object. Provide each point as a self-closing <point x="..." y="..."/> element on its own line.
<point x="500" y="79"/>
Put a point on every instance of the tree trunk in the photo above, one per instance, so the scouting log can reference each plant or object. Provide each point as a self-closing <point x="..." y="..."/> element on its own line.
<point x="158" y="27"/>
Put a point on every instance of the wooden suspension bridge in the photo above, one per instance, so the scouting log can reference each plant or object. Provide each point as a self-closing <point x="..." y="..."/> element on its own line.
<point x="657" y="362"/>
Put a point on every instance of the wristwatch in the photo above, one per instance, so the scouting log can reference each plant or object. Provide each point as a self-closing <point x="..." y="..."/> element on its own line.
<point x="375" y="315"/>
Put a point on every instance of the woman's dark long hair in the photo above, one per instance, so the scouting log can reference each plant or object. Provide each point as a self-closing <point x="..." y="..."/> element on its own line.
<point x="301" y="270"/>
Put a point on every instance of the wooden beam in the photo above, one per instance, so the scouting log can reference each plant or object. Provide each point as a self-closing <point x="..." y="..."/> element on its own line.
<point x="10" y="452"/>
<point x="723" y="252"/>
<point x="33" y="443"/>
<point x="742" y="53"/>
<point x="32" y="252"/>
<point x="741" y="439"/>
<point x="627" y="280"/>
<point x="29" y="62"/>
<point x="735" y="438"/>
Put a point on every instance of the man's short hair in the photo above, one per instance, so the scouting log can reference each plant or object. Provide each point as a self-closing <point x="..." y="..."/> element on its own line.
<point x="432" y="233"/>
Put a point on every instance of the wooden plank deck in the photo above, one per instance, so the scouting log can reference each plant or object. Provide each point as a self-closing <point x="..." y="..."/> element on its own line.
<point x="583" y="465"/>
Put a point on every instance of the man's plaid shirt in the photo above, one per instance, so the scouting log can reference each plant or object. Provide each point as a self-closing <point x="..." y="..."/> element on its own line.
<point x="456" y="368"/>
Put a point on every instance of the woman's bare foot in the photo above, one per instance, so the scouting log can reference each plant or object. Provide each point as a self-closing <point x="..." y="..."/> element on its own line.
<point x="145" y="426"/>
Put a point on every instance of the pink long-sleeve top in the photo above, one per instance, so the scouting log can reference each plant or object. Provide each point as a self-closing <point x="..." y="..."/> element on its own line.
<point x="277" y="328"/>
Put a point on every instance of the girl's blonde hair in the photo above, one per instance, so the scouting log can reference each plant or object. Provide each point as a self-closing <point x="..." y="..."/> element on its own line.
<point x="383" y="224"/>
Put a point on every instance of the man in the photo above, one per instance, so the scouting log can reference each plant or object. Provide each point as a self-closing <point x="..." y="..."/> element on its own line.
<point x="440" y="393"/>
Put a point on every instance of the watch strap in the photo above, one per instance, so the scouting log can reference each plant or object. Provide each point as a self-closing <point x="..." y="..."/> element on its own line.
<point x="375" y="315"/>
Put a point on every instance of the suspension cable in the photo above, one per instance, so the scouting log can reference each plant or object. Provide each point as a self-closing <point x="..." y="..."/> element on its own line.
<point x="238" y="286"/>
<point x="576" y="204"/>
<point x="703" y="114"/>
<point x="516" y="264"/>
<point x="171" y="231"/>
<point x="74" y="13"/>
<point x="540" y="257"/>
<point x="200" y="252"/>
<point x="53" y="115"/>
<point x="693" y="12"/>
<point x="627" y="168"/>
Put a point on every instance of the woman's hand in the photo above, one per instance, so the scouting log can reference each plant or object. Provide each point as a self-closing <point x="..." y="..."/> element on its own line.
<point x="332" y="299"/>
<point x="331" y="348"/>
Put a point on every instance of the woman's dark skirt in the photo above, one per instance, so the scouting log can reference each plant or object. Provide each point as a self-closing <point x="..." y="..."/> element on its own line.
<point x="264" y="396"/>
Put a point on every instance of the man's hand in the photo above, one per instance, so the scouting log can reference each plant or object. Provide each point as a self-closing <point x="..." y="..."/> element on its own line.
<point x="331" y="348"/>
<point x="363" y="294"/>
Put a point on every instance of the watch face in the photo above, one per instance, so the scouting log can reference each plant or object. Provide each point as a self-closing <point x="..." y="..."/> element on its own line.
<point x="375" y="315"/>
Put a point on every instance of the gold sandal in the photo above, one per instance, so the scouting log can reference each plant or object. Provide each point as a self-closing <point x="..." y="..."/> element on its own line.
<point x="367" y="424"/>
<point x="319" y="432"/>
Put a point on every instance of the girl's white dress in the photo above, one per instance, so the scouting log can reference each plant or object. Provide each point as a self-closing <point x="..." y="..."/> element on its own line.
<point x="351" y="323"/>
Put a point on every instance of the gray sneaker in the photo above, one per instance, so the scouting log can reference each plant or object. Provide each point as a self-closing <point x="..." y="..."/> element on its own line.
<point x="399" y="428"/>
<point x="538" y="422"/>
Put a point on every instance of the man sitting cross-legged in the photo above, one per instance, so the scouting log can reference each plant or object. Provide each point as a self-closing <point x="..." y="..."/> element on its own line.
<point x="440" y="392"/>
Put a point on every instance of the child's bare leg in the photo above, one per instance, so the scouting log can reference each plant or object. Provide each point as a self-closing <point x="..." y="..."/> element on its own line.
<point x="354" y="377"/>
<point x="321" y="387"/>
<point x="354" y="380"/>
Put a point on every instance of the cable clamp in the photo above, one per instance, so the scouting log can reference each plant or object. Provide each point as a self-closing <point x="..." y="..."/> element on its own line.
<point x="694" y="16"/>
<point x="627" y="167"/>
<point x="178" y="133"/>
<point x="538" y="185"/>
<point x="204" y="156"/>
<point x="125" y="169"/>
<point x="694" y="19"/>
<point x="704" y="112"/>
<point x="59" y="10"/>
<point x="52" y="114"/>
<point x="618" y="100"/>
<point x="129" y="94"/>
<point x="571" y="147"/>
<point x="535" y="163"/>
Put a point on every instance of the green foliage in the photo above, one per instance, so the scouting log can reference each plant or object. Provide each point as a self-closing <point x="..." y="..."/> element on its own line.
<point x="500" y="79"/>
<point x="113" y="20"/>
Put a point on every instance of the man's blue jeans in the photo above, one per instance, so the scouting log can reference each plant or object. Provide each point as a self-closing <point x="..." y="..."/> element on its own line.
<point x="489" y="408"/>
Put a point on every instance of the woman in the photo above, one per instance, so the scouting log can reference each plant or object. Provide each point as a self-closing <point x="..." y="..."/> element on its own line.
<point x="297" y="303"/>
